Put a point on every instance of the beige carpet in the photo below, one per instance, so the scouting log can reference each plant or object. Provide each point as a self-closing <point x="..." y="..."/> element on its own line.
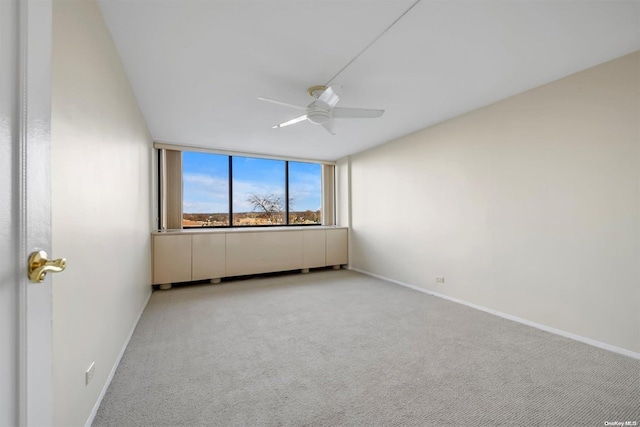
<point x="337" y="348"/>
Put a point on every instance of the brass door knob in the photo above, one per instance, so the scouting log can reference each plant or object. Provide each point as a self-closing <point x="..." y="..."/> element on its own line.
<point x="39" y="266"/>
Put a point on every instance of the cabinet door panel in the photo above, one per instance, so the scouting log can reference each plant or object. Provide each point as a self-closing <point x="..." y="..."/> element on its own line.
<point x="261" y="252"/>
<point x="171" y="259"/>
<point x="313" y="254"/>
<point x="207" y="256"/>
<point x="337" y="247"/>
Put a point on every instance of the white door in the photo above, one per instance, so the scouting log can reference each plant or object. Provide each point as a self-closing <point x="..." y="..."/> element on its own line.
<point x="25" y="214"/>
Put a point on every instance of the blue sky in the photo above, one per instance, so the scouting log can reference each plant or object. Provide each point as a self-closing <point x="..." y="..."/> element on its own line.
<point x="206" y="189"/>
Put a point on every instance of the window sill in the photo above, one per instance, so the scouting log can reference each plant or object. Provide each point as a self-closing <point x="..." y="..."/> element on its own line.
<point x="248" y="229"/>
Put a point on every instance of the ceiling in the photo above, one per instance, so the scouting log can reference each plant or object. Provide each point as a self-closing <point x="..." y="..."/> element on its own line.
<point x="198" y="66"/>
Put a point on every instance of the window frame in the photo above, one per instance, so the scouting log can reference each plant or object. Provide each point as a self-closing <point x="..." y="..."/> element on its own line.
<point x="230" y="156"/>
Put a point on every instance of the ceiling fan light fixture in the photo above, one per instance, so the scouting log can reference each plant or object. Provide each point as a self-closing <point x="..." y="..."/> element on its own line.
<point x="318" y="117"/>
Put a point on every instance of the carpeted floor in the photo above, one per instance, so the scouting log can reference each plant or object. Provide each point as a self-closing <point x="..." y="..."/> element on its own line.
<point x="337" y="348"/>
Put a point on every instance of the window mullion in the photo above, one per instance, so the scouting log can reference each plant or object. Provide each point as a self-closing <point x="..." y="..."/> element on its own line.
<point x="286" y="191"/>
<point x="230" y="191"/>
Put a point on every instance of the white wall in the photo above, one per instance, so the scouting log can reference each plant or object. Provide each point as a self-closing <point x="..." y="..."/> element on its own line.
<point x="342" y="186"/>
<point x="101" y="169"/>
<point x="529" y="206"/>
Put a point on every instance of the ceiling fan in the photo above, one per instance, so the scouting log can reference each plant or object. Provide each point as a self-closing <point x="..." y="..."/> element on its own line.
<point x="323" y="109"/>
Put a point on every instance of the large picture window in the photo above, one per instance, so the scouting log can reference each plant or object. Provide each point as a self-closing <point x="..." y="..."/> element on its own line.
<point x="259" y="191"/>
<point x="305" y="193"/>
<point x="236" y="191"/>
<point x="205" y="190"/>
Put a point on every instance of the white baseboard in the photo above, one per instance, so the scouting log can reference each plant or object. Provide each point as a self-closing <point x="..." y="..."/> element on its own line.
<point x="94" y="411"/>
<point x="560" y="332"/>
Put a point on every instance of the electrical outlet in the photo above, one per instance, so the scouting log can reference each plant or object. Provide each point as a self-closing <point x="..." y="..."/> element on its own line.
<point x="89" y="373"/>
<point x="439" y="279"/>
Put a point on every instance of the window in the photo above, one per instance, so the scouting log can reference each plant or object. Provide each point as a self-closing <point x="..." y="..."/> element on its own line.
<point x="259" y="191"/>
<point x="205" y="190"/>
<point x="305" y="193"/>
<point x="224" y="191"/>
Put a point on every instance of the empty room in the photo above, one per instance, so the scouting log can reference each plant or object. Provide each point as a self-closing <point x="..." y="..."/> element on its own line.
<point x="320" y="213"/>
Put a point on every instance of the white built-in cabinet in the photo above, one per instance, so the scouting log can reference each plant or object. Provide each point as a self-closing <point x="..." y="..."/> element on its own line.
<point x="314" y="248"/>
<point x="208" y="256"/>
<point x="199" y="255"/>
<point x="336" y="250"/>
<point x="171" y="258"/>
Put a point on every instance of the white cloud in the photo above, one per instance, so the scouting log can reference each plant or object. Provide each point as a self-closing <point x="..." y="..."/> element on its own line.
<point x="242" y="190"/>
<point x="204" y="193"/>
<point x="305" y="189"/>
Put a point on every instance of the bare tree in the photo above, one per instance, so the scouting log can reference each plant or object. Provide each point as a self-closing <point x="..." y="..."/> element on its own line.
<point x="270" y="205"/>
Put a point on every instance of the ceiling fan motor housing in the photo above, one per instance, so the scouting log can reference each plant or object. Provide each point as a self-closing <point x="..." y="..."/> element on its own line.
<point x="319" y="116"/>
<point x="316" y="91"/>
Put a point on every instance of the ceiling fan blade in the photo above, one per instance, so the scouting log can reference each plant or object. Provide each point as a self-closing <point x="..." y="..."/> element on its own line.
<point x="284" y="104"/>
<point x="291" y="122"/>
<point x="355" y="113"/>
<point x="329" y="127"/>
<point x="328" y="98"/>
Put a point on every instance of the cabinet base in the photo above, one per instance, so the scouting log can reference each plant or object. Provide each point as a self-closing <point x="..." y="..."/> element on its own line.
<point x="164" y="286"/>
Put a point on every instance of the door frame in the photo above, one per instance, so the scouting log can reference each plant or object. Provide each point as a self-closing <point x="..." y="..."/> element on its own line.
<point x="35" y="393"/>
